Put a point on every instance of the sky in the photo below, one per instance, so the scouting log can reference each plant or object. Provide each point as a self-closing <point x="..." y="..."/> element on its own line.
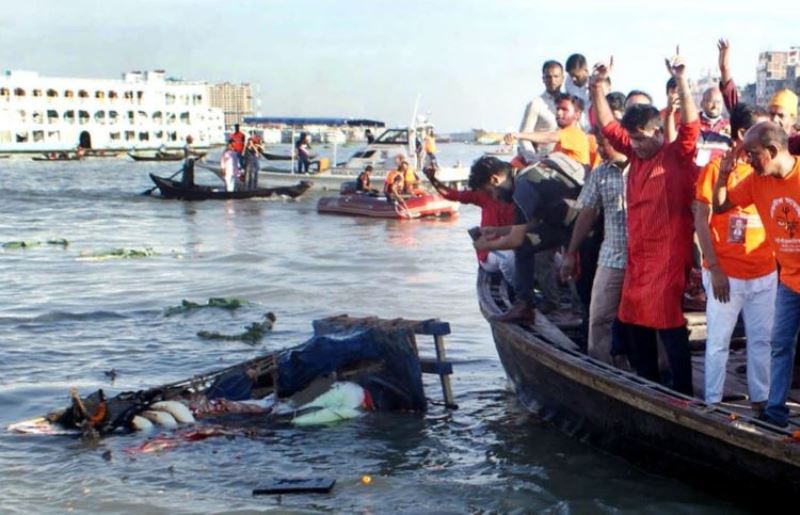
<point x="471" y="64"/>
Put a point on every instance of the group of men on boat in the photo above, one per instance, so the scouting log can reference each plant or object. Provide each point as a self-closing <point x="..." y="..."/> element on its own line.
<point x="239" y="162"/>
<point x="607" y="191"/>
<point x="401" y="181"/>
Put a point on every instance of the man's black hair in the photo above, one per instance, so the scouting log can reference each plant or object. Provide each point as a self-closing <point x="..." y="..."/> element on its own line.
<point x="576" y="101"/>
<point x="575" y="61"/>
<point x="743" y="116"/>
<point x="641" y="116"/>
<point x="482" y="170"/>
<point x="635" y="92"/>
<point x="616" y="101"/>
<point x="672" y="84"/>
<point x="551" y="64"/>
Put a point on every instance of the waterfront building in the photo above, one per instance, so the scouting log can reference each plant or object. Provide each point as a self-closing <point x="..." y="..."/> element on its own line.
<point x="235" y="101"/>
<point x="143" y="110"/>
<point x="776" y="71"/>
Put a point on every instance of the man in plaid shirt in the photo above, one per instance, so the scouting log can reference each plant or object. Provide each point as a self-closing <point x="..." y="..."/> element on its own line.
<point x="604" y="190"/>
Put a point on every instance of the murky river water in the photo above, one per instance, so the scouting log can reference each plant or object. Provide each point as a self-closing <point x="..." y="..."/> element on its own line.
<point x="64" y="321"/>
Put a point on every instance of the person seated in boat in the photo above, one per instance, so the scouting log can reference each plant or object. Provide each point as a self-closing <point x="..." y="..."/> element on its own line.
<point x="390" y="175"/>
<point x="494" y="213"/>
<point x="394" y="195"/>
<point x="410" y="180"/>
<point x="189" y="156"/>
<point x="369" y="136"/>
<point x="544" y="195"/>
<point x="230" y="167"/>
<point x="738" y="273"/>
<point x="363" y="184"/>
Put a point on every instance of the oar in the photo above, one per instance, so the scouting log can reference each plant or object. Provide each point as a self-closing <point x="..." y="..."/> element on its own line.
<point x="151" y="190"/>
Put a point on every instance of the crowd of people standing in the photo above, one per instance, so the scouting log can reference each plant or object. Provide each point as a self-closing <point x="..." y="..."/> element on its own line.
<point x="611" y="191"/>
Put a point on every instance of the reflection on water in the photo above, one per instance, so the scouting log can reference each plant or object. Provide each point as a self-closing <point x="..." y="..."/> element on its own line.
<point x="66" y="322"/>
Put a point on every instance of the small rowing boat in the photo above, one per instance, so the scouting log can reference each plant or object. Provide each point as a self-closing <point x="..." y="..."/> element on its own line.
<point x="172" y="189"/>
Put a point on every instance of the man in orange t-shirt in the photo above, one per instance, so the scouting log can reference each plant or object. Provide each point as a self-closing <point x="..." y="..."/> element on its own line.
<point x="738" y="274"/>
<point x="569" y="138"/>
<point x="774" y="188"/>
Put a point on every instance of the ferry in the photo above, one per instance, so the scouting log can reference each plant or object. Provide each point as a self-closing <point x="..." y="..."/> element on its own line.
<point x="141" y="111"/>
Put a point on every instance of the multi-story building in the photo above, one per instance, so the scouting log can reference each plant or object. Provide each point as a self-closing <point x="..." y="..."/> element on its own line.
<point x="143" y="110"/>
<point x="235" y="100"/>
<point x="775" y="71"/>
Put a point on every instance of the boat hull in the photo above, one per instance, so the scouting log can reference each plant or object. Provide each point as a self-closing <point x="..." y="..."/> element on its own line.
<point x="175" y="190"/>
<point x="378" y="207"/>
<point x="644" y="422"/>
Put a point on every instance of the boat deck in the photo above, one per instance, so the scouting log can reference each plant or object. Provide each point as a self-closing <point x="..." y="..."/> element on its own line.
<point x="735" y="399"/>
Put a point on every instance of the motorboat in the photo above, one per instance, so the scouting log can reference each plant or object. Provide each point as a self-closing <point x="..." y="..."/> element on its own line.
<point x="430" y="205"/>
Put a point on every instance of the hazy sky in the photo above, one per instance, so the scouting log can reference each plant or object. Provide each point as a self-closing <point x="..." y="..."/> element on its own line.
<point x="473" y="63"/>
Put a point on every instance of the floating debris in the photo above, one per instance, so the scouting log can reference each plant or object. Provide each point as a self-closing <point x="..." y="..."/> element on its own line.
<point x="58" y="241"/>
<point x="24" y="244"/>
<point x="252" y="334"/>
<point x="21" y="244"/>
<point x="213" y="302"/>
<point x="117" y="254"/>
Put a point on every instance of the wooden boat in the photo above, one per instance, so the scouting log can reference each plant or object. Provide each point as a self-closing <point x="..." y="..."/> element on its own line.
<point x="60" y="156"/>
<point x="176" y="190"/>
<point x="380" y="355"/>
<point x="158" y="156"/>
<point x="722" y="447"/>
<point x="429" y="205"/>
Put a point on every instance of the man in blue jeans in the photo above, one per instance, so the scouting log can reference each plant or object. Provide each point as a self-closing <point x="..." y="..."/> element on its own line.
<point x="774" y="188"/>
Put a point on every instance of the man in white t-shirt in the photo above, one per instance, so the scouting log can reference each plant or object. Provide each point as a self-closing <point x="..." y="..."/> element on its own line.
<point x="540" y="113"/>
<point x="577" y="85"/>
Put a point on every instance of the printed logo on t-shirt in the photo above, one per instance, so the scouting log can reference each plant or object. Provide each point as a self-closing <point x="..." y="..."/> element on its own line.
<point x="785" y="213"/>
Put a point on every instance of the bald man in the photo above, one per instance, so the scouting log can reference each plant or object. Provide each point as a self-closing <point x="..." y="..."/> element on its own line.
<point x="715" y="130"/>
<point x="774" y="188"/>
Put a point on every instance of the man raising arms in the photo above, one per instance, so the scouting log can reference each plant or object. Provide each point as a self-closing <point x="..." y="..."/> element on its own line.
<point x="659" y="195"/>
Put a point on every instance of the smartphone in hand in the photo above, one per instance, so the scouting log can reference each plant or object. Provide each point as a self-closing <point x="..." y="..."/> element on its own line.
<point x="474" y="233"/>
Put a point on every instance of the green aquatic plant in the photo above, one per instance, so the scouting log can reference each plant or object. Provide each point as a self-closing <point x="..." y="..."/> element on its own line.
<point x="252" y="334"/>
<point x="20" y="244"/>
<point x="117" y="254"/>
<point x="24" y="244"/>
<point x="213" y="302"/>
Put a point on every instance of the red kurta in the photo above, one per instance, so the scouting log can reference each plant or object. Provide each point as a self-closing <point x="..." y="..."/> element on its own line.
<point x="659" y="196"/>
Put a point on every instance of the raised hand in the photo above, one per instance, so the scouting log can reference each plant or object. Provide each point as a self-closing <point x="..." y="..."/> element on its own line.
<point x="676" y="65"/>
<point x="601" y="71"/>
<point x="509" y="138"/>
<point x="728" y="162"/>
<point x="724" y="46"/>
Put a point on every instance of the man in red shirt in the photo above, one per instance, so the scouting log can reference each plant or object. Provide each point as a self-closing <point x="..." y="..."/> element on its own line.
<point x="238" y="139"/>
<point x="659" y="194"/>
<point x="494" y="212"/>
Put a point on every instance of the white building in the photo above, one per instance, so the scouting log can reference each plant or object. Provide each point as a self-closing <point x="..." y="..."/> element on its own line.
<point x="143" y="110"/>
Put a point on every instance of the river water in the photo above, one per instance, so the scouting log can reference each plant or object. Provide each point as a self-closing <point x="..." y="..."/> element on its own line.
<point x="65" y="321"/>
